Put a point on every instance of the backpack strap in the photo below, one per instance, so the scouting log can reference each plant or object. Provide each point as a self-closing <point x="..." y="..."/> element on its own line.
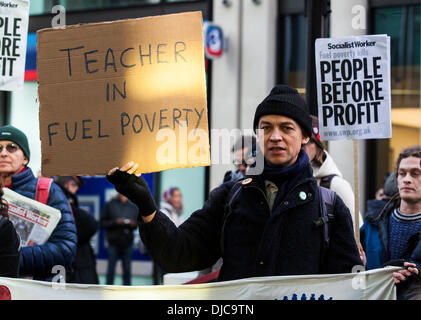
<point x="43" y="189"/>
<point x="326" y="181"/>
<point x="232" y="195"/>
<point x="327" y="199"/>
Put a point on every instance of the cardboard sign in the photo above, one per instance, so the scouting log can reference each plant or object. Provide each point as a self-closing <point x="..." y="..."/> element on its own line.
<point x="353" y="87"/>
<point x="14" y="18"/>
<point x="119" y="91"/>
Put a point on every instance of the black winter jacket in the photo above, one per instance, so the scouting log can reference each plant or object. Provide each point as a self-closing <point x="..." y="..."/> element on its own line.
<point x="83" y="268"/>
<point x="9" y="249"/>
<point x="119" y="235"/>
<point x="256" y="242"/>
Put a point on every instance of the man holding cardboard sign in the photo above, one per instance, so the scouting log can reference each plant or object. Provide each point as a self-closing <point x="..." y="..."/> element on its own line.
<point x="261" y="225"/>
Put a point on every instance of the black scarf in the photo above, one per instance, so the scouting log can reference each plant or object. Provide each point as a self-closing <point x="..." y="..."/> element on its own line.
<point x="286" y="178"/>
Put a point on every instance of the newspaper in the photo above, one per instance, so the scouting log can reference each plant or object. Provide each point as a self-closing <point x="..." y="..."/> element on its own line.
<point x="33" y="220"/>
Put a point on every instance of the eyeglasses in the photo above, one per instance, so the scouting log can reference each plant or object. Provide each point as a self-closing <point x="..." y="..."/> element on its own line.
<point x="11" y="148"/>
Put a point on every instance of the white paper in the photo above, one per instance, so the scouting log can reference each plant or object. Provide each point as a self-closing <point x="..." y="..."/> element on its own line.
<point x="33" y="220"/>
<point x="14" y="21"/>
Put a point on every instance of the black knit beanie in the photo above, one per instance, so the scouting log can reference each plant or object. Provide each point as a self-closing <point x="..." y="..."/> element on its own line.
<point x="286" y="101"/>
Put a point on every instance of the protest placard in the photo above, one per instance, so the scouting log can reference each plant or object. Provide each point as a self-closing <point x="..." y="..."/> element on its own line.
<point x="353" y="93"/>
<point x="124" y="90"/>
<point x="353" y="87"/>
<point x="14" y="18"/>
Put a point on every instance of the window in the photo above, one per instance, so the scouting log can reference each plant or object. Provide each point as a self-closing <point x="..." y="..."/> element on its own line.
<point x="402" y="24"/>
<point x="43" y="7"/>
<point x="292" y="51"/>
<point x="102" y="4"/>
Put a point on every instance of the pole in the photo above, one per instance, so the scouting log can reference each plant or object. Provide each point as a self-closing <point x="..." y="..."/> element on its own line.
<point x="341" y="26"/>
<point x="317" y="12"/>
<point x="356" y="195"/>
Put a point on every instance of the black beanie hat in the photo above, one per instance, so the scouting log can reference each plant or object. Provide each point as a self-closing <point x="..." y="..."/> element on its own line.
<point x="286" y="101"/>
<point x="13" y="134"/>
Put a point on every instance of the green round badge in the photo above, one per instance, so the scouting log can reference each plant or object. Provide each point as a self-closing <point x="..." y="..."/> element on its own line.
<point x="302" y="195"/>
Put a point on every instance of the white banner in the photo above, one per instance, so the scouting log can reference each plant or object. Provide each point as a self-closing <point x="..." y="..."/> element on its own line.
<point x="353" y="87"/>
<point x="368" y="285"/>
<point x="14" y="21"/>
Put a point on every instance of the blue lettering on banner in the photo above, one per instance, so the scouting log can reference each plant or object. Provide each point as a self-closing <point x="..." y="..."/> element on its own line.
<point x="304" y="297"/>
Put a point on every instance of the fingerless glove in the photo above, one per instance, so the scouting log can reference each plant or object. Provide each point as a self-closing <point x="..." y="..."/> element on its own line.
<point x="136" y="189"/>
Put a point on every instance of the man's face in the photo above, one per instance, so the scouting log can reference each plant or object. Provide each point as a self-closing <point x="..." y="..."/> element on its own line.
<point x="409" y="179"/>
<point x="13" y="160"/>
<point x="177" y="199"/>
<point x="280" y="138"/>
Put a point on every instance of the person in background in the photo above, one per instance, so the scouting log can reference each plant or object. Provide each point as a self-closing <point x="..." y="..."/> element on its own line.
<point x="83" y="269"/>
<point x="241" y="150"/>
<point x="9" y="243"/>
<point x="172" y="207"/>
<point x="389" y="189"/>
<point x="326" y="171"/>
<point x="376" y="205"/>
<point x="119" y="221"/>
<point x="391" y="235"/>
<point x="36" y="261"/>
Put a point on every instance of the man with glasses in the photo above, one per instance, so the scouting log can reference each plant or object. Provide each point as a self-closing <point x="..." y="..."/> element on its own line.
<point x="36" y="261"/>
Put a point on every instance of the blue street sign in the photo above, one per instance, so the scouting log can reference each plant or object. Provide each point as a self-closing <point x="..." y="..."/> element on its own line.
<point x="214" y="40"/>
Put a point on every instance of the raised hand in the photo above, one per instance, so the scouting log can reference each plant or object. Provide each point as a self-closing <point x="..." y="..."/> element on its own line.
<point x="129" y="182"/>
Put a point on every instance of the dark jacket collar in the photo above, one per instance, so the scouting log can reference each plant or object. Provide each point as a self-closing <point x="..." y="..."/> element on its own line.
<point x="22" y="178"/>
<point x="304" y="168"/>
<point x="375" y="209"/>
<point x="378" y="214"/>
